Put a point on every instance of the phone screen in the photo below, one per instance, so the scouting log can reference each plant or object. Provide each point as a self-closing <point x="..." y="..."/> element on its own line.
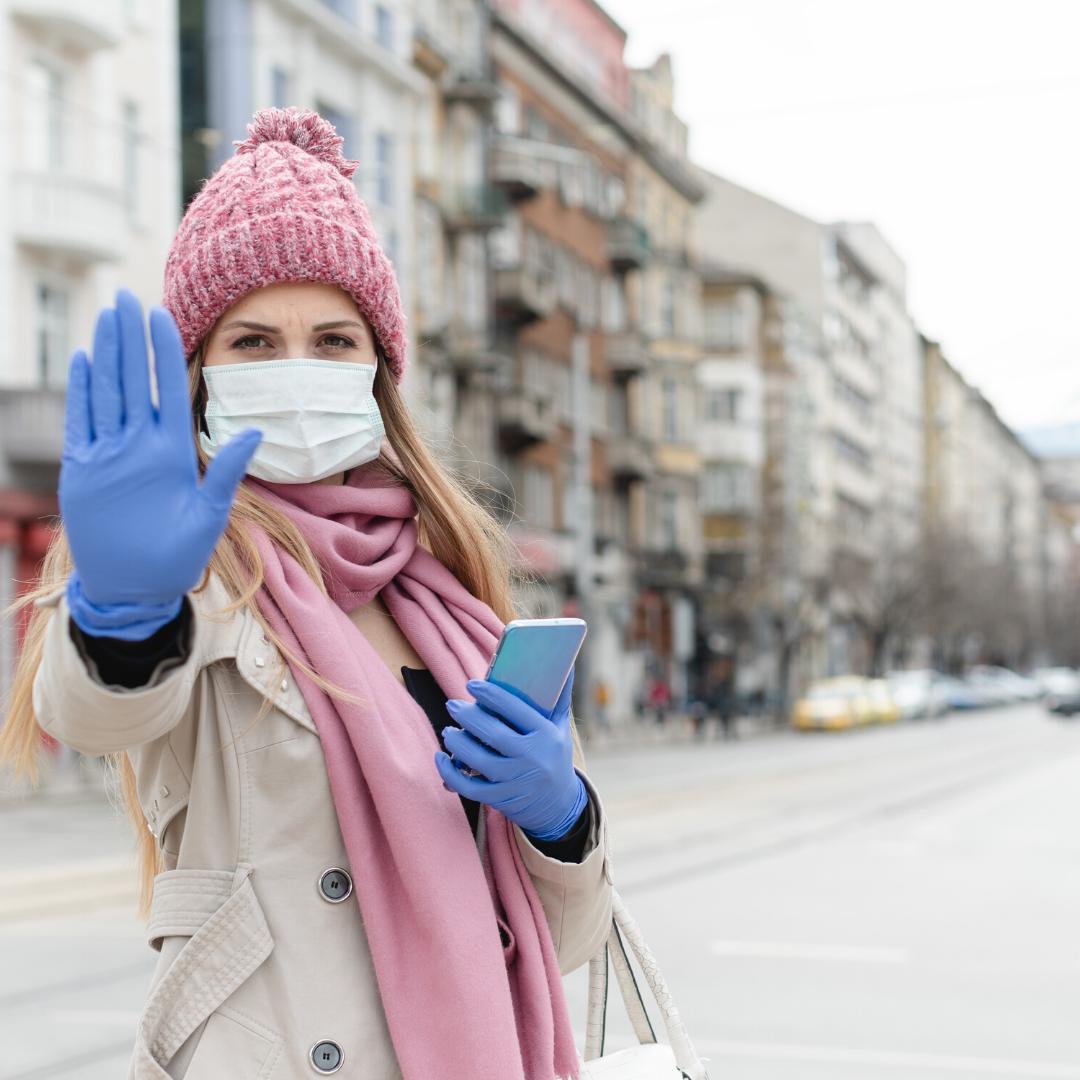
<point x="534" y="658"/>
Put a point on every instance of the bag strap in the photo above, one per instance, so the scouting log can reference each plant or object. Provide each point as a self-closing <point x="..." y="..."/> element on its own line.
<point x="624" y="926"/>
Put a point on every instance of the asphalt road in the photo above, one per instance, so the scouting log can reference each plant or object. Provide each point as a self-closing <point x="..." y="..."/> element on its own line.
<point x="878" y="905"/>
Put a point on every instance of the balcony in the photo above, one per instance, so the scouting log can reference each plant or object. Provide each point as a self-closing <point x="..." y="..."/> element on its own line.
<point x="520" y="171"/>
<point x="481" y="94"/>
<point x="476" y="208"/>
<point x="522" y="295"/>
<point x="524" y="419"/>
<point x="77" y="25"/>
<point x="32" y="426"/>
<point x="68" y="214"/>
<point x="663" y="569"/>
<point x="629" y="459"/>
<point x="627" y="245"/>
<point x="626" y="353"/>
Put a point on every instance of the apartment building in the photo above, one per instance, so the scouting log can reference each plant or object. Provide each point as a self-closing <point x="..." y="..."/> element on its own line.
<point x="848" y="427"/>
<point x="996" y="542"/>
<point x="90" y="201"/>
<point x="595" y="313"/>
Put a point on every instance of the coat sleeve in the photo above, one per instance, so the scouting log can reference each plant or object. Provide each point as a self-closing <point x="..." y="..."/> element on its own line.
<point x="576" y="897"/>
<point x="77" y="709"/>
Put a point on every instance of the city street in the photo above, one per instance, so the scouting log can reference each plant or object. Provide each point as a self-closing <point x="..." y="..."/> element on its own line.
<point x="883" y="904"/>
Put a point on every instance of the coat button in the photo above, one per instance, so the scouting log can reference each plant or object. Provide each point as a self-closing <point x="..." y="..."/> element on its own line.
<point x="326" y="1056"/>
<point x="335" y="885"/>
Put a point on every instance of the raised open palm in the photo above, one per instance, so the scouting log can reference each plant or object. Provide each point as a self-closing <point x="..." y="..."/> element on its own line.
<point x="140" y="524"/>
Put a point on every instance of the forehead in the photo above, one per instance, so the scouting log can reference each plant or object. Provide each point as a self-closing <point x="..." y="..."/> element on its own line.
<point x="303" y="300"/>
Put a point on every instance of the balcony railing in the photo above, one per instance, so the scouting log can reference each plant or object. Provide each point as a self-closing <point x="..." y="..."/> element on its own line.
<point x="626" y="353"/>
<point x="69" y="214"/>
<point x="523" y="295"/>
<point x="32" y="425"/>
<point x="477" y="208"/>
<point x="627" y="245"/>
<point x="77" y="25"/>
<point x="525" y="419"/>
<point x="629" y="459"/>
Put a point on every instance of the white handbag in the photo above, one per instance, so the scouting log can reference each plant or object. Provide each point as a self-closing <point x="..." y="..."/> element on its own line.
<point x="650" y="1060"/>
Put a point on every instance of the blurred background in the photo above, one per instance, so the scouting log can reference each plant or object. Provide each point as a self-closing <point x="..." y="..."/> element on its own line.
<point x="751" y="322"/>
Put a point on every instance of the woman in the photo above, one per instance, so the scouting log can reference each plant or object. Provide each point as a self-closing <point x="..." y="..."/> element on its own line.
<point x="272" y="662"/>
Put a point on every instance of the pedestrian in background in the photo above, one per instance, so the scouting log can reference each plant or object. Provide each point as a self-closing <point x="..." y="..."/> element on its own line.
<point x="276" y="660"/>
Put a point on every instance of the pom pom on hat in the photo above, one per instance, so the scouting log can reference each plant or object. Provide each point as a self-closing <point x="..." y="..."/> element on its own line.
<point x="282" y="208"/>
<point x="306" y="129"/>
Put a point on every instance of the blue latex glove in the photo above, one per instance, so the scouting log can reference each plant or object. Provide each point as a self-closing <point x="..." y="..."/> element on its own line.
<point x="526" y="760"/>
<point x="140" y="525"/>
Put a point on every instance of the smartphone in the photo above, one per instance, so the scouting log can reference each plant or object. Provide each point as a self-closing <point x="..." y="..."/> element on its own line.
<point x="534" y="657"/>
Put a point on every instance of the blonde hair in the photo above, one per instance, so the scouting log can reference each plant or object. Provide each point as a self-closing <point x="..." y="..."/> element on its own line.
<point x="454" y="525"/>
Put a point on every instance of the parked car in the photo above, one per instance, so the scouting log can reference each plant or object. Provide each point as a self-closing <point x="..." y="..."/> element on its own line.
<point x="1056" y="681"/>
<point x="959" y="694"/>
<point x="1000" y="686"/>
<point x="883" y="706"/>
<point x="845" y="701"/>
<point x="919" y="693"/>
<point x="1063" y="704"/>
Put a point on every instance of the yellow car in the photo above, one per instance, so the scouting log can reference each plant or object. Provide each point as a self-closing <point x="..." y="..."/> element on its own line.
<point x="882" y="703"/>
<point x="832" y="704"/>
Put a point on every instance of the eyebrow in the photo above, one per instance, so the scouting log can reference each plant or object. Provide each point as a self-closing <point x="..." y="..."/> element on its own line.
<point x="245" y="325"/>
<point x="337" y="325"/>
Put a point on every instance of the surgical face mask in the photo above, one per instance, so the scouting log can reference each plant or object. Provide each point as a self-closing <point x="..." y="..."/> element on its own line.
<point x="318" y="417"/>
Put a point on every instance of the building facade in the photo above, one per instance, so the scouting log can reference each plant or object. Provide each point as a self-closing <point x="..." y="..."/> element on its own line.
<point x="90" y="201"/>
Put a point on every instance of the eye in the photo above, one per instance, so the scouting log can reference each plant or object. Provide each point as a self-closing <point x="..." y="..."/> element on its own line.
<point x="337" y="341"/>
<point x="252" y="341"/>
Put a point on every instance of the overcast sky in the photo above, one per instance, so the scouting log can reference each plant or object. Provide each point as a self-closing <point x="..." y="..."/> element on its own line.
<point x="954" y="125"/>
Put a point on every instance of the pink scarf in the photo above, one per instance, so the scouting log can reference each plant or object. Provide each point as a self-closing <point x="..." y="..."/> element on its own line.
<point x="460" y="1005"/>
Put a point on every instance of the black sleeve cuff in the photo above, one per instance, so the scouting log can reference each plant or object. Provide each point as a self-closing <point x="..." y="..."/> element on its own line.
<point x="131" y="664"/>
<point x="571" y="847"/>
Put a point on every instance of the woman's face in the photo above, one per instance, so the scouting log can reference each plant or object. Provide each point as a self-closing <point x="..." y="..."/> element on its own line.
<point x="305" y="320"/>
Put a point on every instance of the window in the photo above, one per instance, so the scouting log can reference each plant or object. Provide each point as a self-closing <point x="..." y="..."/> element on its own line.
<point x="343" y="125"/>
<point x="723" y="405"/>
<point x="132" y="141"/>
<point x="725" y="326"/>
<point x="538" y="496"/>
<point x="853" y="397"/>
<point x="671" y="410"/>
<point x="52" y="334"/>
<point x="851" y="452"/>
<point x="345" y="8"/>
<point x="45" y="117"/>
<point x="384" y="164"/>
<point x="280" y="89"/>
<point x="726" y="488"/>
<point x="384" y="27"/>
<point x="669" y="521"/>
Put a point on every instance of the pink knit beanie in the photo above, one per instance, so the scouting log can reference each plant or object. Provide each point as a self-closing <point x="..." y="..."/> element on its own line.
<point x="282" y="208"/>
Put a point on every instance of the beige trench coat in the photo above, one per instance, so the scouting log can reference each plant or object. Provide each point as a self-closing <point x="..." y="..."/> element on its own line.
<point x="256" y="967"/>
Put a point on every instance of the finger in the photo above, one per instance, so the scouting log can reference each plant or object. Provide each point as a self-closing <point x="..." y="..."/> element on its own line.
<point x="174" y="400"/>
<point x="510" y="707"/>
<point x="224" y="473"/>
<point x="471" y="787"/>
<point x="488" y="728"/>
<point x="78" y="431"/>
<point x="106" y="403"/>
<point x="476" y="755"/>
<point x="134" y="368"/>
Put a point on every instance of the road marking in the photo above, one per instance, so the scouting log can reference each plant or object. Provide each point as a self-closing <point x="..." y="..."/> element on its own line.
<point x="783" y="950"/>
<point x="940" y="1062"/>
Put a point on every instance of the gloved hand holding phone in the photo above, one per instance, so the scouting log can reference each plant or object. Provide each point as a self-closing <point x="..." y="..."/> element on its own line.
<point x="140" y="525"/>
<point x="526" y="760"/>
